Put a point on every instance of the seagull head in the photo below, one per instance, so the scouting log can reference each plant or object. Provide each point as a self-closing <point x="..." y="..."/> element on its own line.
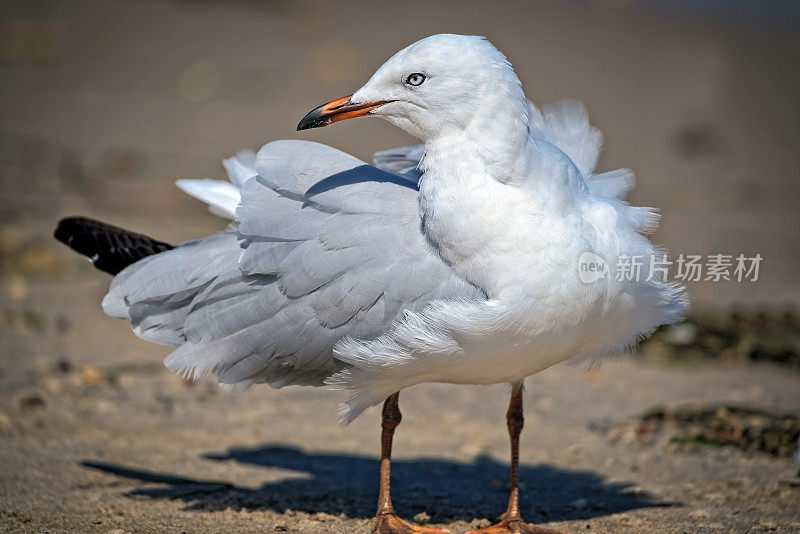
<point x="441" y="84"/>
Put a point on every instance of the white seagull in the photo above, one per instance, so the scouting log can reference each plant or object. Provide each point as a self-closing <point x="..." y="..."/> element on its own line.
<point x="453" y="261"/>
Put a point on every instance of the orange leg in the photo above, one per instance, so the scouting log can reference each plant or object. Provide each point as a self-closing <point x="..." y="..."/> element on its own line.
<point x="387" y="521"/>
<point x="511" y="521"/>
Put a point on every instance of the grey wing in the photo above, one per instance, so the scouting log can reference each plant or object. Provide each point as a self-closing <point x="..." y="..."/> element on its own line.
<point x="326" y="247"/>
<point x="403" y="160"/>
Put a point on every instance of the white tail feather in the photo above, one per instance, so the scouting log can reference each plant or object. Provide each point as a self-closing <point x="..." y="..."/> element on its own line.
<point x="221" y="197"/>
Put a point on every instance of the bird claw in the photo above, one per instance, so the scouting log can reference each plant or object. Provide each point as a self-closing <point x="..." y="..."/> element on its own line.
<point x="391" y="524"/>
<point x="514" y="526"/>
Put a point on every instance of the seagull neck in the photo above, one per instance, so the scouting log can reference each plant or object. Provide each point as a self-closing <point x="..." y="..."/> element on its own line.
<point x="494" y="141"/>
<point x="470" y="205"/>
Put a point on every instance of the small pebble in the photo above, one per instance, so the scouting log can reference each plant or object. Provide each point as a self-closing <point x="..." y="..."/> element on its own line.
<point x="422" y="518"/>
<point x="31" y="402"/>
<point x="480" y="523"/>
<point x="63" y="365"/>
<point x="92" y="376"/>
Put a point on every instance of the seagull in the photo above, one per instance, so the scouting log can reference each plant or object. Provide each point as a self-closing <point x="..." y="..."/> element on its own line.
<point x="458" y="260"/>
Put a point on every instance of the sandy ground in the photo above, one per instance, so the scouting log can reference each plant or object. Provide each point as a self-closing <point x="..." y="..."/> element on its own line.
<point x="104" y="104"/>
<point x="106" y="440"/>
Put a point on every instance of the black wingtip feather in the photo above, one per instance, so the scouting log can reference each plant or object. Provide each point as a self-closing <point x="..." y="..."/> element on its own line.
<point x="109" y="248"/>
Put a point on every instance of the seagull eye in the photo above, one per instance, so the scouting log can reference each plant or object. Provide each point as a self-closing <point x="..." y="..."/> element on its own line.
<point x="415" y="79"/>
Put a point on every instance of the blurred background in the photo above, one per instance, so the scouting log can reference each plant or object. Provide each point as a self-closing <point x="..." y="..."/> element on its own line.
<point x="106" y="103"/>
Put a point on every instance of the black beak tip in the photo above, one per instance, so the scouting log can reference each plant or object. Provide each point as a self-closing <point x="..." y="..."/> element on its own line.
<point x="314" y="119"/>
<point x="307" y="125"/>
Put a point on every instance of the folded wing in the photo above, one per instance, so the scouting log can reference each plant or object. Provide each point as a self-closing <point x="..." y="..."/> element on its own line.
<point x="326" y="247"/>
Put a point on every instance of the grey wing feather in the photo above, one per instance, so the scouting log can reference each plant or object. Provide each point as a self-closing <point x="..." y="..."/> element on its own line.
<point x="326" y="247"/>
<point x="398" y="159"/>
<point x="403" y="161"/>
<point x="156" y="293"/>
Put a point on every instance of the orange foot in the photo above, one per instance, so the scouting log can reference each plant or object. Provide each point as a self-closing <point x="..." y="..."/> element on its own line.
<point x="514" y="526"/>
<point x="391" y="524"/>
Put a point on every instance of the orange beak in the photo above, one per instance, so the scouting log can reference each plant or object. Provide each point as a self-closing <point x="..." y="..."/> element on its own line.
<point x="338" y="110"/>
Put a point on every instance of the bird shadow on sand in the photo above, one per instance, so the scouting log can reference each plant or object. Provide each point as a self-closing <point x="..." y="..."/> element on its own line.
<point x="347" y="484"/>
